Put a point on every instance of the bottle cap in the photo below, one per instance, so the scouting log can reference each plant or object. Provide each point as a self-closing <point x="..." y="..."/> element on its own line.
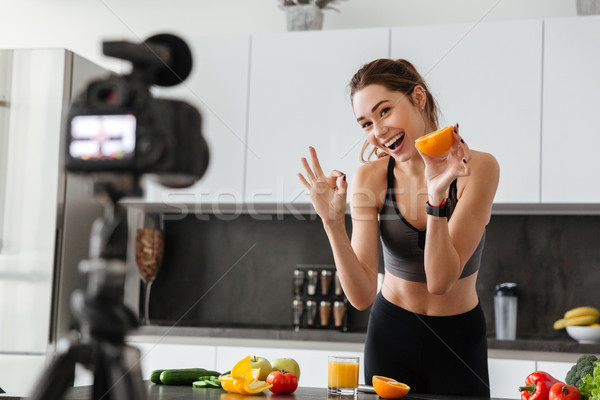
<point x="506" y="289"/>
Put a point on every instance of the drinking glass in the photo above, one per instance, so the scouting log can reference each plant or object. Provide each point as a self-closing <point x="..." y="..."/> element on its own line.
<point x="342" y="376"/>
<point x="149" y="249"/>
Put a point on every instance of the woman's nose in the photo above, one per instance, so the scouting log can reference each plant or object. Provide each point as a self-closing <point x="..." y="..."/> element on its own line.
<point x="379" y="129"/>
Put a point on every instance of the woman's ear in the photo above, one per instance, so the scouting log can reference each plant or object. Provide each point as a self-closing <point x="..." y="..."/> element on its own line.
<point x="419" y="96"/>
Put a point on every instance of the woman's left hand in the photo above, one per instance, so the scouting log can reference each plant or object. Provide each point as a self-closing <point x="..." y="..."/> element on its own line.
<point x="441" y="171"/>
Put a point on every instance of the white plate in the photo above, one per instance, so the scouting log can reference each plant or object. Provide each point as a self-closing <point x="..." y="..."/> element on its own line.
<point x="584" y="334"/>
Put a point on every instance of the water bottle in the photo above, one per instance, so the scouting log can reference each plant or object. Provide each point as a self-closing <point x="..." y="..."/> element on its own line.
<point x="505" y="311"/>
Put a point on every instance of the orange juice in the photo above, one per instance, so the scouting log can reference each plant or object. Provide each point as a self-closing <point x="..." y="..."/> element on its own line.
<point x="342" y="374"/>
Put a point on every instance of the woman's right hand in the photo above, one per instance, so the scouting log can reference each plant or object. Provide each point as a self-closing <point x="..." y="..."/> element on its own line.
<point x="327" y="193"/>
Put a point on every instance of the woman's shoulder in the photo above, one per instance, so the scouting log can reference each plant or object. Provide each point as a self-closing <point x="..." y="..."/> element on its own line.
<point x="373" y="172"/>
<point x="369" y="182"/>
<point x="485" y="171"/>
<point x="485" y="162"/>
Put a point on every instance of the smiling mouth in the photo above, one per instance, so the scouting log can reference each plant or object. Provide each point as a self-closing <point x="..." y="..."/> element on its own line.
<point x="395" y="141"/>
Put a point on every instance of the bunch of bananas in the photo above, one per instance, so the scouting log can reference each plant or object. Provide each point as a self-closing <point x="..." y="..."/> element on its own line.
<point x="578" y="316"/>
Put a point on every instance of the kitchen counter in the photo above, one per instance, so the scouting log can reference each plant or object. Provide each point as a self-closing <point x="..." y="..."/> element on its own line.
<point x="311" y="338"/>
<point x="163" y="392"/>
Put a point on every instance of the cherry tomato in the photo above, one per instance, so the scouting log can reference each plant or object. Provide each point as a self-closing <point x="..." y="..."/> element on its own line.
<point x="283" y="383"/>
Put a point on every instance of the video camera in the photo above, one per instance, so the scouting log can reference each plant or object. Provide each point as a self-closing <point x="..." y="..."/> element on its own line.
<point x="116" y="125"/>
<point x="116" y="132"/>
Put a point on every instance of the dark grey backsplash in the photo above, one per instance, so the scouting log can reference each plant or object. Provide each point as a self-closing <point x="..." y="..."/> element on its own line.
<point x="237" y="272"/>
<point x="555" y="260"/>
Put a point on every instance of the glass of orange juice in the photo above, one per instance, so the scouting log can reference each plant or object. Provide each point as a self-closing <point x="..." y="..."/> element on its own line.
<point x="342" y="376"/>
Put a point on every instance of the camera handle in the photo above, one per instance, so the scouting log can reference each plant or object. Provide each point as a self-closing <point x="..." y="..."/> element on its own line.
<point x="104" y="320"/>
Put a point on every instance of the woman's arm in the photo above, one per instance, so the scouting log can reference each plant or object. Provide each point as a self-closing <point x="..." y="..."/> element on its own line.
<point x="356" y="261"/>
<point x="450" y="244"/>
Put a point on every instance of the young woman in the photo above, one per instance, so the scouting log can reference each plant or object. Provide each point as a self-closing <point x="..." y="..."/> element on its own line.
<point x="426" y="327"/>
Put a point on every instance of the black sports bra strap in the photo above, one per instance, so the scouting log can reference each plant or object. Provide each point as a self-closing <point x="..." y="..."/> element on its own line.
<point x="390" y="174"/>
<point x="453" y="192"/>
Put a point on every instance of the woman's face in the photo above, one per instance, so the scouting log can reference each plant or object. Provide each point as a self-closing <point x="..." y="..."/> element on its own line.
<point x="389" y="119"/>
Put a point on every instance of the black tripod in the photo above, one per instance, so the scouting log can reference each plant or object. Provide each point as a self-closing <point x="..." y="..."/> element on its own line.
<point x="104" y="320"/>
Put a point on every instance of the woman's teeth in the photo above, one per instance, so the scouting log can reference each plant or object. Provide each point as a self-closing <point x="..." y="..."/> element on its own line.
<point x="393" y="140"/>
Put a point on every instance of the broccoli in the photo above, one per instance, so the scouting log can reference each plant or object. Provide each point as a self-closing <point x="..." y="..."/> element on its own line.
<point x="584" y="366"/>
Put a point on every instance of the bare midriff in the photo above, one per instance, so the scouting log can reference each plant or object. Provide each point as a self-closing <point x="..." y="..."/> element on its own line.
<point x="414" y="296"/>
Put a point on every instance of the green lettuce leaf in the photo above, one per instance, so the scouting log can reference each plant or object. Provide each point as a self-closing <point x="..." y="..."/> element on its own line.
<point x="590" y="384"/>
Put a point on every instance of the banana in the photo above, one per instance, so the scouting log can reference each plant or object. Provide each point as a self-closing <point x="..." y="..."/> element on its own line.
<point x="575" y="321"/>
<point x="582" y="311"/>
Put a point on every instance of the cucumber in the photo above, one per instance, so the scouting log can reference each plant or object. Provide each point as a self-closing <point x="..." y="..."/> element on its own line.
<point x="155" y="376"/>
<point x="185" y="376"/>
<point x="207" y="383"/>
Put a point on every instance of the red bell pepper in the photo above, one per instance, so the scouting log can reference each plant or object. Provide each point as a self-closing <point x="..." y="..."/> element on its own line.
<point x="538" y="386"/>
<point x="560" y="391"/>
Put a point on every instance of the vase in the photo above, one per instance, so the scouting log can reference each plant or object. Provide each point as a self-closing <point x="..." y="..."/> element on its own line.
<point x="588" y="7"/>
<point x="304" y="18"/>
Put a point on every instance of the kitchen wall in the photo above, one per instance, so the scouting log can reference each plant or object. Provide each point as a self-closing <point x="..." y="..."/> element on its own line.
<point x="80" y="25"/>
<point x="237" y="271"/>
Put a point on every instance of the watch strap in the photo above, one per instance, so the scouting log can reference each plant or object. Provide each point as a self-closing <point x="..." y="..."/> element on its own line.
<point x="443" y="210"/>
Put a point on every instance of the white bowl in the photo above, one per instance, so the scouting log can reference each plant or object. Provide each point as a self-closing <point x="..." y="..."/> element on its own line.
<point x="584" y="334"/>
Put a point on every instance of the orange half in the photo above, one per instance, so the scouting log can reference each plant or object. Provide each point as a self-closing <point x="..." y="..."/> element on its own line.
<point x="389" y="388"/>
<point x="436" y="143"/>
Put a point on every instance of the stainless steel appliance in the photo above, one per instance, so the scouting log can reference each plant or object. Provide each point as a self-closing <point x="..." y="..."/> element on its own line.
<point x="45" y="216"/>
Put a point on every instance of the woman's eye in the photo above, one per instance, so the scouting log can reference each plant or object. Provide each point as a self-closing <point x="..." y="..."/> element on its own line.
<point x="366" y="125"/>
<point x="385" y="111"/>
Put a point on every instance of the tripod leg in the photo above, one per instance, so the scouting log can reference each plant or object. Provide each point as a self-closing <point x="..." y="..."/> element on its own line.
<point x="119" y="376"/>
<point x="57" y="378"/>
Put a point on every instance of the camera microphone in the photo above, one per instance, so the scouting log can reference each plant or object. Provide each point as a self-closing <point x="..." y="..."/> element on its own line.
<point x="167" y="57"/>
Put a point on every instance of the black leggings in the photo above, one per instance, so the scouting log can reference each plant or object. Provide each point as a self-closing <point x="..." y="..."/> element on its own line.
<point x="437" y="355"/>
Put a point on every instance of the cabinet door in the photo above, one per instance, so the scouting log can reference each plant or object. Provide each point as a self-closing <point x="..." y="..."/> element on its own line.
<point x="557" y="369"/>
<point x="313" y="363"/>
<point x="171" y="356"/>
<point x="507" y="375"/>
<point x="299" y="98"/>
<point x="570" y="161"/>
<point x="486" y="77"/>
<point x="20" y="373"/>
<point x="218" y="87"/>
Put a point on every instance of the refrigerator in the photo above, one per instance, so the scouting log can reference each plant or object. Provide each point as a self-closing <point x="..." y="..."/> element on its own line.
<point x="45" y="214"/>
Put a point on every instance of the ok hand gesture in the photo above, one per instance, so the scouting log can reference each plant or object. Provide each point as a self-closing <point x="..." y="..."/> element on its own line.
<point x="327" y="193"/>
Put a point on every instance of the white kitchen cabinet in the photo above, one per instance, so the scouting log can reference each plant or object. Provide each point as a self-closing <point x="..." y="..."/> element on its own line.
<point x="218" y="87"/>
<point x="487" y="77"/>
<point x="157" y="355"/>
<point x="571" y="120"/>
<point x="507" y="375"/>
<point x="19" y="372"/>
<point x="555" y="368"/>
<point x="313" y="363"/>
<point x="299" y="98"/>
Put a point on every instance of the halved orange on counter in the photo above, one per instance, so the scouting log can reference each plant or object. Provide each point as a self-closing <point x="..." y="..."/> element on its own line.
<point x="389" y="388"/>
<point x="436" y="143"/>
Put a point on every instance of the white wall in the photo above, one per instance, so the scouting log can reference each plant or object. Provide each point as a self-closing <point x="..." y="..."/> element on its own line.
<point x="80" y="25"/>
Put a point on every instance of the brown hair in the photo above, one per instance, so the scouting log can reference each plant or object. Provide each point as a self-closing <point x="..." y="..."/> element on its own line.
<point x="396" y="75"/>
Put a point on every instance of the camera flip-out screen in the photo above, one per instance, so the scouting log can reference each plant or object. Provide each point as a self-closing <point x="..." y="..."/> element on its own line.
<point x="102" y="137"/>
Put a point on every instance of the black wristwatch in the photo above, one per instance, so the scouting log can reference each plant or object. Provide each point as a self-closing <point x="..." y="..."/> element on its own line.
<point x="441" y="211"/>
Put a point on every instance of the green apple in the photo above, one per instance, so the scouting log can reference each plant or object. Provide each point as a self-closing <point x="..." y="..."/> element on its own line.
<point x="263" y="364"/>
<point x="286" y="364"/>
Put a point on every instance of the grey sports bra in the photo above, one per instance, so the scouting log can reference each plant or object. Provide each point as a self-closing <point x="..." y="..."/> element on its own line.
<point x="403" y="244"/>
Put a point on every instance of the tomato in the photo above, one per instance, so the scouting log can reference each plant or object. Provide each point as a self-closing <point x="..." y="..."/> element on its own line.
<point x="560" y="391"/>
<point x="283" y="383"/>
